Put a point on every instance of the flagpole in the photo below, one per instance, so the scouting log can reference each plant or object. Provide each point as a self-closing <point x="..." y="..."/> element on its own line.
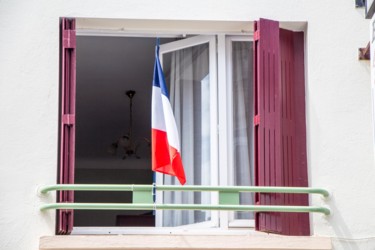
<point x="154" y="173"/>
<point x="154" y="192"/>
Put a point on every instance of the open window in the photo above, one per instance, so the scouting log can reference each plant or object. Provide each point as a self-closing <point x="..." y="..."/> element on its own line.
<point x="190" y="69"/>
<point x="105" y="129"/>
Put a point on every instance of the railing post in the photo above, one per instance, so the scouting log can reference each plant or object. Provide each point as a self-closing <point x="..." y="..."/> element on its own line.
<point x="142" y="197"/>
<point x="229" y="198"/>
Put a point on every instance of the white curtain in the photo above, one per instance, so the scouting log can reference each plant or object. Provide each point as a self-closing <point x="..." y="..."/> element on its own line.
<point x="243" y="121"/>
<point x="188" y="76"/>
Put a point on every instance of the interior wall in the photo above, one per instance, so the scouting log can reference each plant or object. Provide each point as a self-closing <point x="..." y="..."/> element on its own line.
<point x="107" y="67"/>
<point x="108" y="176"/>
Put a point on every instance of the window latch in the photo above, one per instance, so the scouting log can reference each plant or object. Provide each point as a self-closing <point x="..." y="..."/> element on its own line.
<point x="256" y="35"/>
<point x="69" y="119"/>
<point x="256" y="120"/>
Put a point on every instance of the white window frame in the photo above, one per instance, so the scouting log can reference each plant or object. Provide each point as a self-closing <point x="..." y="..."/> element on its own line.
<point x="221" y="99"/>
<point x="232" y="222"/>
<point x="179" y="45"/>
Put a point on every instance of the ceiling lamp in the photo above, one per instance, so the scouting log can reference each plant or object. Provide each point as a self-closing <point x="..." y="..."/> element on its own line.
<point x="126" y="143"/>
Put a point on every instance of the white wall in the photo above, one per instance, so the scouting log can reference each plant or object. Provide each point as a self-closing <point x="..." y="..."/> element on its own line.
<point x="340" y="146"/>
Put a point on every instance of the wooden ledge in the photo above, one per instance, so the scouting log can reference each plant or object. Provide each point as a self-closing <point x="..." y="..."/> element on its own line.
<point x="183" y="242"/>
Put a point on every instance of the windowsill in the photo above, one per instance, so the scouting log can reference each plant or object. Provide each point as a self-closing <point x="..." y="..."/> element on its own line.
<point x="163" y="231"/>
<point x="236" y="227"/>
<point x="126" y="242"/>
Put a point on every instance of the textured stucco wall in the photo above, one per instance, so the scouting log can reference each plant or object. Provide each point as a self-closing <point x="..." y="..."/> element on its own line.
<point x="340" y="146"/>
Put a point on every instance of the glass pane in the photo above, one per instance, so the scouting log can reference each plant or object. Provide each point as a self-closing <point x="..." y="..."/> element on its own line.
<point x="242" y="56"/>
<point x="187" y="77"/>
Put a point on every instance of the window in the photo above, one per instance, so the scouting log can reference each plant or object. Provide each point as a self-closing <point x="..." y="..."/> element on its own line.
<point x="190" y="69"/>
<point x="234" y="131"/>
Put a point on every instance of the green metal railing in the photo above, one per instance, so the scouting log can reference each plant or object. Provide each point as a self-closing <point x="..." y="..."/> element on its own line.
<point x="143" y="198"/>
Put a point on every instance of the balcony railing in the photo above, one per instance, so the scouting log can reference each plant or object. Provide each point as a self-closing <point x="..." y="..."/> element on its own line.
<point x="143" y="198"/>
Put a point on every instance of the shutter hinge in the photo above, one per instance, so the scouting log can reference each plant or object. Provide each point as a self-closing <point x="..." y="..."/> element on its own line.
<point x="69" y="119"/>
<point x="256" y="35"/>
<point x="69" y="39"/>
<point x="256" y="120"/>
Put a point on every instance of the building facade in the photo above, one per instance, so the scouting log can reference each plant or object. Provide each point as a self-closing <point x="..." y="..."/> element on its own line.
<point x="337" y="95"/>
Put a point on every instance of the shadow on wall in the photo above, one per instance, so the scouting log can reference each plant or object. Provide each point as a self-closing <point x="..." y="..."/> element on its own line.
<point x="343" y="239"/>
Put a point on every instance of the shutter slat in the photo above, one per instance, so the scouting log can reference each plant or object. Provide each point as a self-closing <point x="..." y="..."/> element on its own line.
<point x="67" y="118"/>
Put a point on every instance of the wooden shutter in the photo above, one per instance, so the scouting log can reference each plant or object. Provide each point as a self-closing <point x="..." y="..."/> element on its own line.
<point x="280" y="129"/>
<point x="67" y="119"/>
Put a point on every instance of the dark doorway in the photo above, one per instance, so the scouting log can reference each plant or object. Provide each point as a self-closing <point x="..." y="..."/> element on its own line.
<point x="107" y="67"/>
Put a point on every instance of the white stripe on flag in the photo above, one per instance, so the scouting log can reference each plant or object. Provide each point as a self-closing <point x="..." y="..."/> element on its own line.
<point x="158" y="121"/>
<point x="170" y="123"/>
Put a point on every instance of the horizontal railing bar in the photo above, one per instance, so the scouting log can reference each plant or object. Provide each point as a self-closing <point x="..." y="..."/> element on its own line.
<point x="119" y="187"/>
<point x="95" y="187"/>
<point x="258" y="189"/>
<point x="127" y="206"/>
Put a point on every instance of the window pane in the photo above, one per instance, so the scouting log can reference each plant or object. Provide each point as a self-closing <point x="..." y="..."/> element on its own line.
<point x="187" y="74"/>
<point x="242" y="56"/>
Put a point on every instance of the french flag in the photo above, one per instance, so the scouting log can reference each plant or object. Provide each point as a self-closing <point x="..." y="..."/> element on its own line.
<point x="166" y="157"/>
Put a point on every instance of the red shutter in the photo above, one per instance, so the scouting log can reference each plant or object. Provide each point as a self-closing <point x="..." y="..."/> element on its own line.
<point x="67" y="126"/>
<point x="280" y="129"/>
<point x="294" y="128"/>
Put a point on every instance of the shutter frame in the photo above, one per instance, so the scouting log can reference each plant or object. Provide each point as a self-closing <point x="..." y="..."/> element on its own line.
<point x="287" y="91"/>
<point x="67" y="120"/>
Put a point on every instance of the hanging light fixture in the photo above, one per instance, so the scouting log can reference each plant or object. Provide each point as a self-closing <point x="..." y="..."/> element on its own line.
<point x="127" y="142"/>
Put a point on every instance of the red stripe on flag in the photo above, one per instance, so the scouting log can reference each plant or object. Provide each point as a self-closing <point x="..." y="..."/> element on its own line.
<point x="160" y="150"/>
<point x="166" y="159"/>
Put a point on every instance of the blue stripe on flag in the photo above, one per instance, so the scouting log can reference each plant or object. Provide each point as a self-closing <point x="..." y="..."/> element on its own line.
<point x="159" y="80"/>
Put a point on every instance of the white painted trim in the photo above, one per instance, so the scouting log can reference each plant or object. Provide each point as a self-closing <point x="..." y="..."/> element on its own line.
<point x="242" y="224"/>
<point x="223" y="122"/>
<point x="229" y="132"/>
<point x="183" y="230"/>
<point x="214" y="127"/>
<point x="229" y="108"/>
<point x="148" y="33"/>
<point x="122" y="33"/>
<point x="157" y="27"/>
<point x="140" y="242"/>
<point x="185" y="43"/>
